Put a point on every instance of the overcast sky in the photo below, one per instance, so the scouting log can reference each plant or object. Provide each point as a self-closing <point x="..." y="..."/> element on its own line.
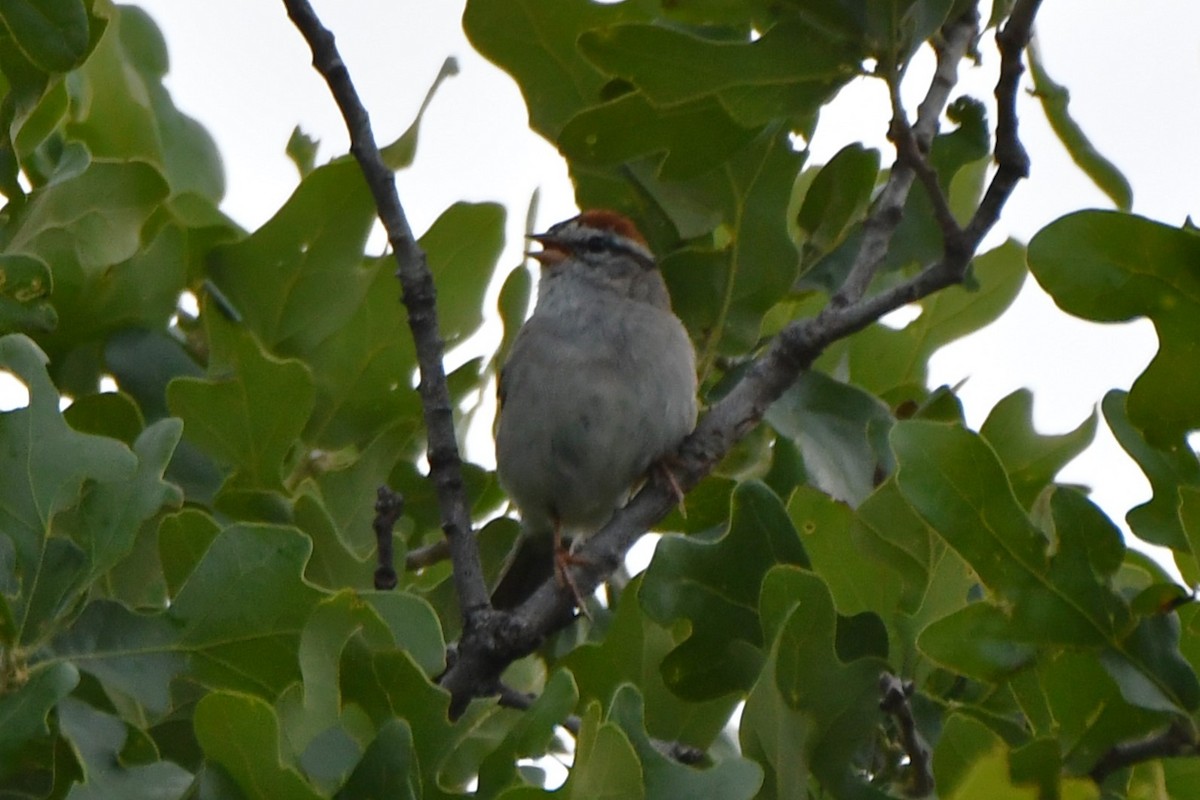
<point x="1133" y="68"/>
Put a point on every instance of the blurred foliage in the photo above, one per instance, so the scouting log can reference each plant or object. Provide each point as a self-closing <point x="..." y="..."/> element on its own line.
<point x="185" y="563"/>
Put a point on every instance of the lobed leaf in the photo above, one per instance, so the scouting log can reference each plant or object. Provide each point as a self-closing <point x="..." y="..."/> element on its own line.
<point x="1111" y="267"/>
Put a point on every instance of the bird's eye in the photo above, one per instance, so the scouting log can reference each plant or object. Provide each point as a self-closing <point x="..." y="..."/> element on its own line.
<point x="595" y="244"/>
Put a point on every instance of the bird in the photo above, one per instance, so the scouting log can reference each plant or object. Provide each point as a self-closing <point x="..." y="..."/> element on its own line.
<point x="598" y="388"/>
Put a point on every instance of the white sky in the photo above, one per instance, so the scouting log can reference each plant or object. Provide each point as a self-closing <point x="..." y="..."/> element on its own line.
<point x="1132" y="67"/>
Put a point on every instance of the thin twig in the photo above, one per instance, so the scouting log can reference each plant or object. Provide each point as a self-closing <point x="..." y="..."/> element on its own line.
<point x="389" y="506"/>
<point x="445" y="463"/>
<point x="888" y="210"/>
<point x="894" y="694"/>
<point x="910" y="153"/>
<point x="1176" y="741"/>
<point x="426" y="556"/>
<point x="1012" y="162"/>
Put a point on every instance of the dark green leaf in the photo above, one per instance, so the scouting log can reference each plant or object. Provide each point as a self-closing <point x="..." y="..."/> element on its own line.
<point x="838" y="196"/>
<point x="841" y="432"/>
<point x="957" y="484"/>
<point x="52" y="33"/>
<point x="793" y="724"/>
<point x="606" y="762"/>
<point x="1111" y="267"/>
<point x="716" y="586"/>
<point x="302" y="150"/>
<point x="23" y="710"/>
<point x="98" y="739"/>
<point x="535" y="42"/>
<point x="388" y="767"/>
<point x="400" y="153"/>
<point x="667" y="778"/>
<point x="248" y="641"/>
<point x="1168" y="467"/>
<point x="249" y="412"/>
<point x="462" y="247"/>
<point x="46" y="465"/>
<point x="1031" y="460"/>
<point x="25" y="295"/>
<point x="241" y="734"/>
<point x="791" y="69"/>
<point x="632" y="651"/>
<point x="630" y="126"/>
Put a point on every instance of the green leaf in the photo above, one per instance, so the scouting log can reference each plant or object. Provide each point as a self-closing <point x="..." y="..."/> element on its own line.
<point x="632" y="651"/>
<point x="954" y="480"/>
<point x="722" y="292"/>
<point x="136" y="655"/>
<point x="716" y="586"/>
<point x="23" y="711"/>
<point x="241" y="734"/>
<point x="98" y="738"/>
<point x="971" y="762"/>
<point x="631" y="126"/>
<point x="838" y="196"/>
<point x="250" y="410"/>
<point x="1188" y="559"/>
<point x="183" y="539"/>
<point x="302" y="150"/>
<point x="1168" y="467"/>
<point x="1071" y="697"/>
<point x="535" y="42"/>
<point x="462" y="247"/>
<point x="791" y="69"/>
<point x="400" y="153"/>
<point x="24" y="295"/>
<point x="808" y="713"/>
<point x="53" y="34"/>
<point x="1111" y="267"/>
<point x="857" y="578"/>
<point x="107" y="520"/>
<point x="248" y="641"/>
<point x="389" y="684"/>
<point x="513" y="305"/>
<point x="299" y="277"/>
<point x="1056" y="100"/>
<point x="87" y="224"/>
<point x="841" y="432"/>
<point x="532" y="734"/>
<point x="388" y="768"/>
<point x="666" y="778"/>
<point x="46" y="465"/>
<point x="606" y="763"/>
<point x="1031" y="460"/>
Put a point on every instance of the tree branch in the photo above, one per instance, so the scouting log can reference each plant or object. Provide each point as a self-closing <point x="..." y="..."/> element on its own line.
<point x="894" y="701"/>
<point x="419" y="297"/>
<point x="1174" y="742"/>
<point x="388" y="507"/>
<point x="1012" y="162"/>
<point x="958" y="36"/>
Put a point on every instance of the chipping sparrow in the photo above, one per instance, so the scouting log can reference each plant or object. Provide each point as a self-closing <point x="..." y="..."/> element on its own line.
<point x="600" y="385"/>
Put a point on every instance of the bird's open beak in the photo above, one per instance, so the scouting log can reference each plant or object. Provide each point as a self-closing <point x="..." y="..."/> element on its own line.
<point x="552" y="251"/>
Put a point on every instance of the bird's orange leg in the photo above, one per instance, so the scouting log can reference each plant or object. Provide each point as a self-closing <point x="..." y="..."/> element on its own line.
<point x="563" y="560"/>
